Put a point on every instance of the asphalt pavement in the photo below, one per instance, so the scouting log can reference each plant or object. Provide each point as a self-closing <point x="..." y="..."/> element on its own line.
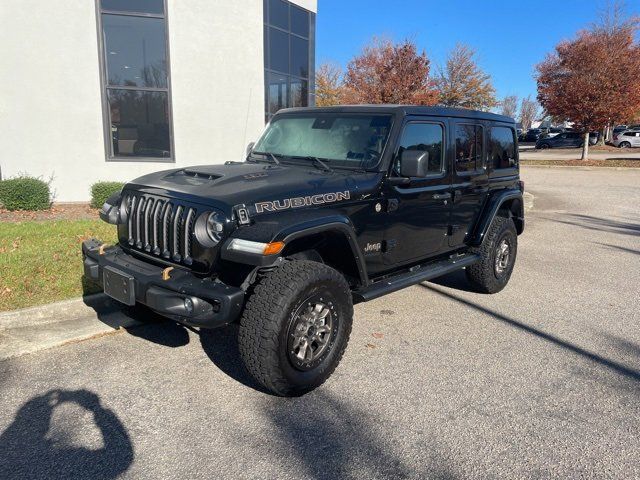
<point x="541" y="380"/>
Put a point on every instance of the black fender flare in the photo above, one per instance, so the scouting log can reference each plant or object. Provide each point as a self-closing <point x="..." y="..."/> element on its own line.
<point x="293" y="231"/>
<point x="491" y="209"/>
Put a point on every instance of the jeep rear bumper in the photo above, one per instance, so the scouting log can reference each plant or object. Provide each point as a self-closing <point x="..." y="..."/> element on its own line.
<point x="183" y="297"/>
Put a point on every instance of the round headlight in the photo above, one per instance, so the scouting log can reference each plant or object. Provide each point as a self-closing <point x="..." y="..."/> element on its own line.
<point x="215" y="226"/>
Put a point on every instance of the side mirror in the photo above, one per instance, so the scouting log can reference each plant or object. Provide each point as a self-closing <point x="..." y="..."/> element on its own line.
<point x="249" y="148"/>
<point x="414" y="163"/>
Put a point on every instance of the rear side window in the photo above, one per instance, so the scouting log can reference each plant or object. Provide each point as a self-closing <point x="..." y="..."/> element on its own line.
<point x="469" y="147"/>
<point x="502" y="148"/>
<point x="424" y="137"/>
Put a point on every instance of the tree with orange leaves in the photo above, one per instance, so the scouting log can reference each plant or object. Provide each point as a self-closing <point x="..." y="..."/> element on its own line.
<point x="593" y="79"/>
<point x="387" y="72"/>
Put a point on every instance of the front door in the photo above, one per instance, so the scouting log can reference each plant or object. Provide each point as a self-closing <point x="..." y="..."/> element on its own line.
<point x="470" y="178"/>
<point x="418" y="211"/>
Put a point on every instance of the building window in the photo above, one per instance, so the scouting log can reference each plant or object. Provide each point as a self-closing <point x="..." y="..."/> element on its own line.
<point x="289" y="47"/>
<point x="135" y="79"/>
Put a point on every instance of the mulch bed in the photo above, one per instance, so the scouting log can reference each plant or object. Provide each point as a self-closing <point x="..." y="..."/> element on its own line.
<point x="613" y="162"/>
<point x="60" y="211"/>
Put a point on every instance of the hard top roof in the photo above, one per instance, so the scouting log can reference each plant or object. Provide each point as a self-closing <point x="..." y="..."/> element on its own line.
<point x="435" y="111"/>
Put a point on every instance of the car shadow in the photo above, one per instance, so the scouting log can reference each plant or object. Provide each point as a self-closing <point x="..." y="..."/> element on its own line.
<point x="617" y="367"/>
<point x="610" y="225"/>
<point x="456" y="280"/>
<point x="30" y="450"/>
<point x="221" y="346"/>
<point x="138" y="321"/>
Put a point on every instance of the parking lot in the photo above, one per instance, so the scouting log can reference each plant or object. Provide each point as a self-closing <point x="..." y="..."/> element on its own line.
<point x="541" y="380"/>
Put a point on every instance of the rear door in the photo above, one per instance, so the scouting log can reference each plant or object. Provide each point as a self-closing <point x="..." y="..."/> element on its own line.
<point x="470" y="183"/>
<point x="419" y="210"/>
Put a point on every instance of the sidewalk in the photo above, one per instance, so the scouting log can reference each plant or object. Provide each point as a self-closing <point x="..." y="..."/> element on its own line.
<point x="47" y="326"/>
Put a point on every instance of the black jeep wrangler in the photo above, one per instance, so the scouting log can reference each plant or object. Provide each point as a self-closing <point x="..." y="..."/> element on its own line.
<point x="332" y="206"/>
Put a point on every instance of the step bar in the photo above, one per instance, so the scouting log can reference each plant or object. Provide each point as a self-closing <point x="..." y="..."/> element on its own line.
<point x="415" y="275"/>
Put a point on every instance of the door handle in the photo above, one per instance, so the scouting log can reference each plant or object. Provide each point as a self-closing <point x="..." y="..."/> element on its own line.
<point x="442" y="196"/>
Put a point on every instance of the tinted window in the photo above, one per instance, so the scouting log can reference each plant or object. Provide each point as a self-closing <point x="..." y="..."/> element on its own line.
<point x="137" y="119"/>
<point x="299" y="57"/>
<point x="299" y="21"/>
<point x="502" y="148"/>
<point x="288" y="46"/>
<point x="135" y="51"/>
<point x="279" y="14"/>
<point x="469" y="147"/>
<point x="139" y="123"/>
<point x="277" y="92"/>
<point x="140" y="6"/>
<point x="299" y="92"/>
<point x="424" y="137"/>
<point x="278" y="50"/>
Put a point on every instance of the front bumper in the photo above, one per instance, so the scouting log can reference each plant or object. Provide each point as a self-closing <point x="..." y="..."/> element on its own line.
<point x="183" y="297"/>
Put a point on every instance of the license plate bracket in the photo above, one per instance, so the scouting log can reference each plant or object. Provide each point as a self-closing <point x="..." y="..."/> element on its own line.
<point x="119" y="285"/>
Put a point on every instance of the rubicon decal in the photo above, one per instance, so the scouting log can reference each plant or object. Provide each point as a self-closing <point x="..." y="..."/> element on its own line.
<point x="297" y="202"/>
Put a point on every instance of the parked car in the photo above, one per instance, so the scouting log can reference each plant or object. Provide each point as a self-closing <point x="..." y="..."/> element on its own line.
<point x="331" y="206"/>
<point x="532" y="135"/>
<point x="551" y="132"/>
<point x="627" y="139"/>
<point x="566" y="140"/>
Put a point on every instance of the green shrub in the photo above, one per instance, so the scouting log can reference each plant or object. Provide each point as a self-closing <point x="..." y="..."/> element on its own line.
<point x="100" y="191"/>
<point x="25" y="193"/>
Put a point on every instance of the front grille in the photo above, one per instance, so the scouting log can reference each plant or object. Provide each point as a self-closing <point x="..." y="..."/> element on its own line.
<point x="160" y="227"/>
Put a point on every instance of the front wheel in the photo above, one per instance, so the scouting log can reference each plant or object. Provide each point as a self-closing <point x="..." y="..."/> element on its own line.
<point x="498" y="256"/>
<point x="295" y="327"/>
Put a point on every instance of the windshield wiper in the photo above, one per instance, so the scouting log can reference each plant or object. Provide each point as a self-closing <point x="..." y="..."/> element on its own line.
<point x="268" y="155"/>
<point x="317" y="162"/>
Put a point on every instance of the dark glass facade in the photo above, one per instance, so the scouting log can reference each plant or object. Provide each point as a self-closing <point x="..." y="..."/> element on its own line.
<point x="289" y="56"/>
<point x="135" y="75"/>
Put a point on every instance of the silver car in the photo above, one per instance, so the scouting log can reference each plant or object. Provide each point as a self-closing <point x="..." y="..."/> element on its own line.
<point x="627" y="138"/>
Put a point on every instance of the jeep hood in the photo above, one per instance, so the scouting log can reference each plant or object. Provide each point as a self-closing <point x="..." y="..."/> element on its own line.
<point x="247" y="183"/>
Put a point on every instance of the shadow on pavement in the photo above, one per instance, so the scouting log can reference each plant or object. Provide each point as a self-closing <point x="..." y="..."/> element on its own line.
<point x="618" y="247"/>
<point x="221" y="346"/>
<point x="594" y="357"/>
<point x="600" y="224"/>
<point x="328" y="438"/>
<point x="138" y="321"/>
<point x="457" y="280"/>
<point x="29" y="450"/>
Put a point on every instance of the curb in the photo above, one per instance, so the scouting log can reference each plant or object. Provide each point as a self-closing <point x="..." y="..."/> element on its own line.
<point x="38" y="328"/>
<point x="579" y="167"/>
<point x="528" y="201"/>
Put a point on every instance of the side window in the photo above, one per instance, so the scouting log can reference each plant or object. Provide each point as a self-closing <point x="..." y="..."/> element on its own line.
<point x="502" y="147"/>
<point x="469" y="148"/>
<point x="424" y="137"/>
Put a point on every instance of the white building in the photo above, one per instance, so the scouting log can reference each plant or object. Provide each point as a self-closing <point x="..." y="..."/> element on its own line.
<point x="113" y="89"/>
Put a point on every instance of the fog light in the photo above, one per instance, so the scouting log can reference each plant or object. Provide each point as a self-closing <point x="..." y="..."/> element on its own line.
<point x="188" y="305"/>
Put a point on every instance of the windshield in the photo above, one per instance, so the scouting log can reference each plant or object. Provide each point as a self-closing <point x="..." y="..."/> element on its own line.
<point x="343" y="140"/>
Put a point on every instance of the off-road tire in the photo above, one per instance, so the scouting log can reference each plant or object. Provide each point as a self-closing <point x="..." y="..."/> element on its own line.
<point x="482" y="275"/>
<point x="267" y="318"/>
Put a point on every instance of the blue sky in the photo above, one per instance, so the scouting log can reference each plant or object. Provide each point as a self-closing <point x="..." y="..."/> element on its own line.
<point x="510" y="36"/>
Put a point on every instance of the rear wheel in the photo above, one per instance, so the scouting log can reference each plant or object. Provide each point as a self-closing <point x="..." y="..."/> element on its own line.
<point x="624" y="145"/>
<point x="544" y="146"/>
<point x="295" y="327"/>
<point x="498" y="255"/>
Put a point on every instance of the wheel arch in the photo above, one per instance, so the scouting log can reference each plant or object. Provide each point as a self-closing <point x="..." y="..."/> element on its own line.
<point x="509" y="203"/>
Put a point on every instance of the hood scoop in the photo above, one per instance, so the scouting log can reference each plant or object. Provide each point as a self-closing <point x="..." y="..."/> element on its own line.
<point x="192" y="176"/>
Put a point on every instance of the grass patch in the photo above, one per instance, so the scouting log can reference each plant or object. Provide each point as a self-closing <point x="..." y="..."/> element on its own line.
<point x="41" y="262"/>
<point x="613" y="162"/>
